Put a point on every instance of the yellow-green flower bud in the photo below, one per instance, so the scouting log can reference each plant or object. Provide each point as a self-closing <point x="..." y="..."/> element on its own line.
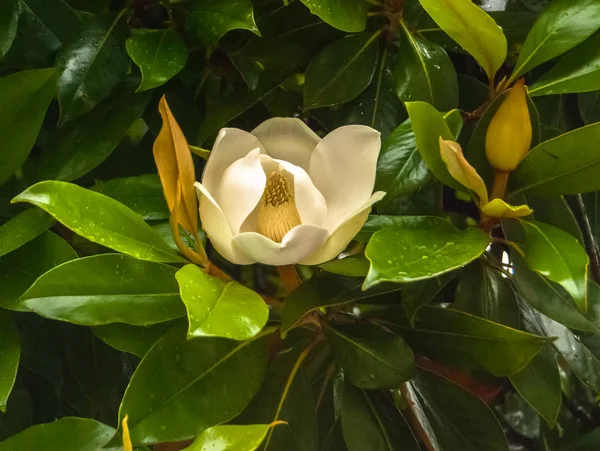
<point x="508" y="136"/>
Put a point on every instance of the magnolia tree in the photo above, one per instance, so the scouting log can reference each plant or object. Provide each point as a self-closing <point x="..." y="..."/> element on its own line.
<point x="299" y="225"/>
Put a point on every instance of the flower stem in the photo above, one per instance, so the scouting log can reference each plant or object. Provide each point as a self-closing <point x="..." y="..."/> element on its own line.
<point x="500" y="183"/>
<point x="289" y="277"/>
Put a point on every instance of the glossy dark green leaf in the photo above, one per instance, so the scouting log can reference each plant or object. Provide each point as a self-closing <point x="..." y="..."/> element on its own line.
<point x="136" y="340"/>
<point x="424" y="72"/>
<point x="9" y="19"/>
<point x="562" y="25"/>
<point x="326" y="290"/>
<point x="553" y="210"/>
<point x="428" y="126"/>
<point x="142" y="193"/>
<point x="66" y="434"/>
<point x="406" y="254"/>
<point x="558" y="256"/>
<point x="160" y="54"/>
<point x="551" y="299"/>
<point x="217" y="308"/>
<point x="353" y="266"/>
<point x="23" y="228"/>
<point x="92" y="65"/>
<point x="10" y="353"/>
<point x="368" y="424"/>
<point x="228" y="437"/>
<point x="587" y="442"/>
<point x="99" y="219"/>
<point x="400" y="168"/>
<point x="539" y="384"/>
<point x="84" y="143"/>
<point x="473" y="426"/>
<point x="519" y="415"/>
<point x="417" y="294"/>
<point x="370" y="357"/>
<point x="341" y="71"/>
<point x="472" y="93"/>
<point x="25" y="98"/>
<point x="578" y="71"/>
<point x="104" y="289"/>
<point x="57" y="16"/>
<point x="20" y="268"/>
<point x="190" y="402"/>
<point x="567" y="164"/>
<point x="473" y="29"/>
<point x="461" y="339"/>
<point x="348" y="15"/>
<point x="484" y="292"/>
<point x="209" y="20"/>
<point x="581" y="360"/>
<point x="589" y="106"/>
<point x="285" y="395"/>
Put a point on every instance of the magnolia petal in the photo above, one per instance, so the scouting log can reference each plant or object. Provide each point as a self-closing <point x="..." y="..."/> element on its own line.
<point x="231" y="145"/>
<point x="296" y="245"/>
<point x="340" y="239"/>
<point x="309" y="200"/>
<point x="215" y="224"/>
<point x="287" y="138"/>
<point x="461" y="170"/>
<point x="497" y="208"/>
<point x="242" y="186"/>
<point x="342" y="167"/>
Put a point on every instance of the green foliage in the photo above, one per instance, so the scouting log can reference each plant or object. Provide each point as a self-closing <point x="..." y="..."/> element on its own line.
<point x="439" y="327"/>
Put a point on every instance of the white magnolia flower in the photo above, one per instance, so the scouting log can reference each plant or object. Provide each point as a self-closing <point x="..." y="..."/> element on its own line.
<point x="281" y="195"/>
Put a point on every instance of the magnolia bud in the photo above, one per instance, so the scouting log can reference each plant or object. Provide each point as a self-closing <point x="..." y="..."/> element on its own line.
<point x="508" y="136"/>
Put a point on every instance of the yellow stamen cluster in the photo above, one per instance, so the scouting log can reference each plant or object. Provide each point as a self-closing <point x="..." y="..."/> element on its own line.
<point x="277" y="212"/>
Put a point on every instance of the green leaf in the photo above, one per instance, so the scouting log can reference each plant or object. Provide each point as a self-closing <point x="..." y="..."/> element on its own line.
<point x="370" y="357"/>
<point x="327" y="290"/>
<point x="464" y="340"/>
<point x="551" y="299"/>
<point x="66" y="434"/>
<point x="10" y="353"/>
<point x="428" y="126"/>
<point x="567" y="164"/>
<point x="9" y="19"/>
<point x="341" y="71"/>
<point x="368" y="424"/>
<point x="417" y="294"/>
<point x="285" y="395"/>
<point x="484" y="292"/>
<point x="229" y="437"/>
<point x="473" y="29"/>
<point x="209" y="20"/>
<point x="142" y="193"/>
<point x="137" y="340"/>
<point x="92" y="65"/>
<point x="99" y="219"/>
<point x="405" y="254"/>
<point x="217" y="308"/>
<point x="160" y="54"/>
<point x="560" y="27"/>
<point x="24" y="265"/>
<point x="400" y="168"/>
<point x="25" y="96"/>
<point x="23" y="228"/>
<point x="84" y="143"/>
<point x="352" y="266"/>
<point x="104" y="289"/>
<point x="555" y="211"/>
<point x="378" y="222"/>
<point x="189" y="403"/>
<point x="578" y="71"/>
<point x="558" y="256"/>
<point x="581" y="360"/>
<point x="425" y="73"/>
<point x="539" y="384"/>
<point x="473" y="426"/>
<point x="56" y="16"/>
<point x="589" y="106"/>
<point x="345" y="15"/>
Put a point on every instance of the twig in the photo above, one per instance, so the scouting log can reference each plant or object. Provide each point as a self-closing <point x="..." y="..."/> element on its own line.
<point x="414" y="421"/>
<point x="289" y="277"/>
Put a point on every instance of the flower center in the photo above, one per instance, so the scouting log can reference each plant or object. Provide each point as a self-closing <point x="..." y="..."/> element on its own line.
<point x="277" y="212"/>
